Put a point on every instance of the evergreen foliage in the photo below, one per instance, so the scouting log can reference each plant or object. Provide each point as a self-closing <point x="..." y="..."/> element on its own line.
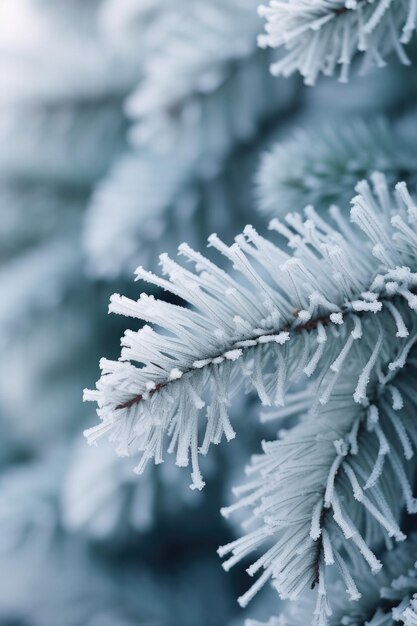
<point x="127" y="128"/>
<point x="320" y="36"/>
<point x="339" y="309"/>
<point x="321" y="166"/>
<point x="183" y="133"/>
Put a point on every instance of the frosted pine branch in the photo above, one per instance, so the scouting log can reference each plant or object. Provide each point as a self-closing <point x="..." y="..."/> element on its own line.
<point x="103" y="500"/>
<point x="409" y="615"/>
<point x="207" y="59"/>
<point x="82" y="140"/>
<point x="283" y="315"/>
<point x="143" y="186"/>
<point x="388" y="598"/>
<point x="339" y="477"/>
<point x="206" y="95"/>
<point x="30" y="508"/>
<point x="36" y="281"/>
<point x="322" y="35"/>
<point x="320" y="167"/>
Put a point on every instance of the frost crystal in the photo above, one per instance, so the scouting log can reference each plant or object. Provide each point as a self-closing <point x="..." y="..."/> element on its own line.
<point x="319" y="36"/>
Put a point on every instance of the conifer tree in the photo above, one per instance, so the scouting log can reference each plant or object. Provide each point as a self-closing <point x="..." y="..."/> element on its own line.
<point x="278" y="365"/>
<point x="318" y="319"/>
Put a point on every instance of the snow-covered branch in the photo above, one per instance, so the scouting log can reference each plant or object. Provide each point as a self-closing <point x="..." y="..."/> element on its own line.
<point x="320" y="36"/>
<point x="282" y="316"/>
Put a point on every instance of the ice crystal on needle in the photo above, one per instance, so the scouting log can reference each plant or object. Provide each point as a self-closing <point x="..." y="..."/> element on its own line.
<point x="287" y="314"/>
<point x="319" y="36"/>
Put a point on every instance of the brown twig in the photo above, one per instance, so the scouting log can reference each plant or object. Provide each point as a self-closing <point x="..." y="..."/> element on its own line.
<point x="316" y="563"/>
<point x="310" y="325"/>
<point x="341" y="11"/>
